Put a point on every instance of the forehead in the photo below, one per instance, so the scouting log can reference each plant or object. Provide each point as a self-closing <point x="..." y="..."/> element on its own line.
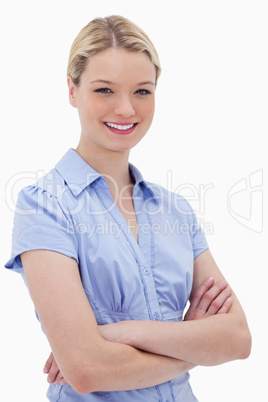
<point x="119" y="65"/>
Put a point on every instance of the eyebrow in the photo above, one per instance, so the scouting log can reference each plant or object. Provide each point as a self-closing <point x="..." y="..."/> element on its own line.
<point x="113" y="83"/>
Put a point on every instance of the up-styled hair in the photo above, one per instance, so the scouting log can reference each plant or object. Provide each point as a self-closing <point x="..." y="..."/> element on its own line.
<point x="104" y="33"/>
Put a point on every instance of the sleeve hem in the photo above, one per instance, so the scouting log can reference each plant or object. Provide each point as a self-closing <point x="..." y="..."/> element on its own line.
<point x="200" y="251"/>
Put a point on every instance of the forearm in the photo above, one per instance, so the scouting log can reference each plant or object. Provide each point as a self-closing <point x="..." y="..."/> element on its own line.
<point x="122" y="367"/>
<point x="211" y="341"/>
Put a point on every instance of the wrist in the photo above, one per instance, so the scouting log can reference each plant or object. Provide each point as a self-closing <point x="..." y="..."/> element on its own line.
<point x="128" y="332"/>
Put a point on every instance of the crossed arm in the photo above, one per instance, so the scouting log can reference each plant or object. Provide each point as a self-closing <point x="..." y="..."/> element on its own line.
<point x="132" y="354"/>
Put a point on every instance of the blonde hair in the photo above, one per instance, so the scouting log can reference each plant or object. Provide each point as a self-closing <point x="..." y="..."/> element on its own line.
<point x="104" y="33"/>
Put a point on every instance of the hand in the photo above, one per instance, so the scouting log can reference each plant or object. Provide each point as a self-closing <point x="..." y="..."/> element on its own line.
<point x="54" y="374"/>
<point x="210" y="299"/>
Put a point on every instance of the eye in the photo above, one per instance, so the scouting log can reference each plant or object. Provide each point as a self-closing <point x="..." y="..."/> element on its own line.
<point x="143" y="92"/>
<point x="103" y="90"/>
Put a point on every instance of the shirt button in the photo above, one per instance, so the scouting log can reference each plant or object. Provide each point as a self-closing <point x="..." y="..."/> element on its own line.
<point x="146" y="271"/>
<point x="156" y="316"/>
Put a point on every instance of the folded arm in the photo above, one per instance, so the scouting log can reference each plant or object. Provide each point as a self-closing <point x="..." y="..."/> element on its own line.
<point x="87" y="361"/>
<point x="215" y="339"/>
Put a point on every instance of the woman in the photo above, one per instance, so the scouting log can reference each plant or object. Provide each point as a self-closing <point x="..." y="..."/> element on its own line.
<point x="110" y="259"/>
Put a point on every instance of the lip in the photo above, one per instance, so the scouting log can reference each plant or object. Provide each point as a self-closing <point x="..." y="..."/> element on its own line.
<point x="121" y="132"/>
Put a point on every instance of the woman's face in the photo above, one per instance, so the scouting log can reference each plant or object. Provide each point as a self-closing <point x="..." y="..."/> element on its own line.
<point x="115" y="99"/>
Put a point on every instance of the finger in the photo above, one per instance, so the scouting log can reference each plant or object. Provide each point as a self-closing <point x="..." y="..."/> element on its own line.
<point x="212" y="294"/>
<point x="226" y="306"/>
<point x="60" y="380"/>
<point x="200" y="292"/>
<point x="53" y="372"/>
<point x="219" y="301"/>
<point x="48" y="364"/>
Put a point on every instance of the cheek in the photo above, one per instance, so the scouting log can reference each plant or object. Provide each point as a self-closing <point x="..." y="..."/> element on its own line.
<point x="147" y="110"/>
<point x="98" y="104"/>
<point x="95" y="109"/>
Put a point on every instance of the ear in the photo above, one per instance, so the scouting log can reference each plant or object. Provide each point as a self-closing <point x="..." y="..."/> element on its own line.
<point x="72" y="91"/>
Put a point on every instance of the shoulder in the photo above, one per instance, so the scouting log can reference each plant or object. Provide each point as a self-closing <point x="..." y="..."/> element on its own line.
<point x="46" y="190"/>
<point x="42" y="220"/>
<point x="52" y="183"/>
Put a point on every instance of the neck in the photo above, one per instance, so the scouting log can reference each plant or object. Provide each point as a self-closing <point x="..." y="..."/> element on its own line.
<point x="113" y="165"/>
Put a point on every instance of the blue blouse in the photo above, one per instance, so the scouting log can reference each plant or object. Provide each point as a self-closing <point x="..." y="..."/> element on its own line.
<point x="71" y="211"/>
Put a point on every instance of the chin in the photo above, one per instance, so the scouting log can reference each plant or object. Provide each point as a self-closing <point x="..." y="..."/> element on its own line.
<point x="123" y="145"/>
<point x="120" y="149"/>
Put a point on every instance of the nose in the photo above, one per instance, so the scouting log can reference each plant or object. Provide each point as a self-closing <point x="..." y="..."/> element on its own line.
<point x="124" y="107"/>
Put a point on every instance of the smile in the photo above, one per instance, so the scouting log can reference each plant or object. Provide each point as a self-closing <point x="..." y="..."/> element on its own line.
<point x="121" y="128"/>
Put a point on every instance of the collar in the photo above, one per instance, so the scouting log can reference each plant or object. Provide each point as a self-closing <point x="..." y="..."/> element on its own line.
<point x="78" y="175"/>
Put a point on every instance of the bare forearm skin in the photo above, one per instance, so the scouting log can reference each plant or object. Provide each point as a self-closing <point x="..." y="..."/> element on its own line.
<point x="208" y="342"/>
<point x="87" y="361"/>
<point x="122" y="367"/>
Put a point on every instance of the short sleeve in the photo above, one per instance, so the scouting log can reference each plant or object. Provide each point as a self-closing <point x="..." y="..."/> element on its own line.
<point x="198" y="238"/>
<point x="40" y="223"/>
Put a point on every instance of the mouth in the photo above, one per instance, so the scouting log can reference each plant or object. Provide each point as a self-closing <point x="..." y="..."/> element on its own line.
<point x="122" y="128"/>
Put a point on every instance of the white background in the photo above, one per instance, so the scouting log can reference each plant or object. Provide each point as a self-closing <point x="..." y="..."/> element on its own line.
<point x="209" y="132"/>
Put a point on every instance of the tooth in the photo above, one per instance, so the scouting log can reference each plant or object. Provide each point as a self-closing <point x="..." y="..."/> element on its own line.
<point x="120" y="127"/>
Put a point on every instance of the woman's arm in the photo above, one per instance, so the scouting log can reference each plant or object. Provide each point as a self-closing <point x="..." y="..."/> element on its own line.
<point x="215" y="339"/>
<point x="201" y="307"/>
<point x="87" y="361"/>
